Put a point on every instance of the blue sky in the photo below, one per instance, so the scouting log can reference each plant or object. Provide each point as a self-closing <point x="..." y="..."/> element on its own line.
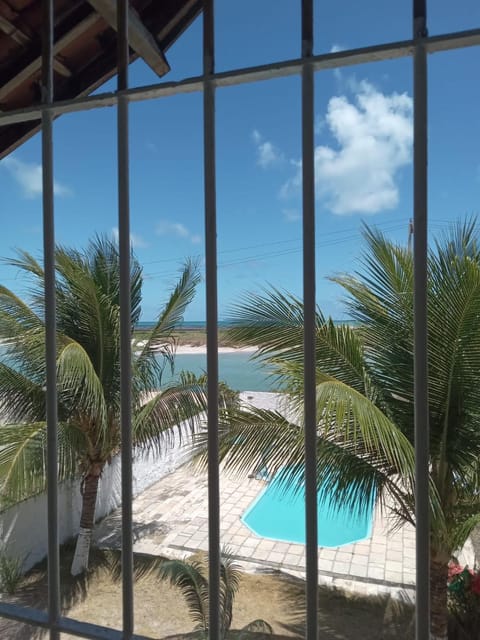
<point x="363" y="155"/>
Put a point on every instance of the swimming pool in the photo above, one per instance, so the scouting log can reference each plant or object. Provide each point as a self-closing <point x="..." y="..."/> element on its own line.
<point x="279" y="513"/>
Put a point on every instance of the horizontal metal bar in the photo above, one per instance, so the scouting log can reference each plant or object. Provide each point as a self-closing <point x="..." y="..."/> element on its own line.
<point x="37" y="618"/>
<point x="259" y="73"/>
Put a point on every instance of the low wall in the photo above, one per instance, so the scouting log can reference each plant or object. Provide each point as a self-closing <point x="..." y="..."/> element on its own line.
<point x="23" y="527"/>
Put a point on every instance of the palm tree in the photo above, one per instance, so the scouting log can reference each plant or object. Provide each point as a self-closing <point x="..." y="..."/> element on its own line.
<point x="88" y="371"/>
<point x="364" y="383"/>
<point x="190" y="576"/>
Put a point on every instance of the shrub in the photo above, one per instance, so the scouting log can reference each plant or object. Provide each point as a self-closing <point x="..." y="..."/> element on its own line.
<point x="463" y="602"/>
<point x="11" y="573"/>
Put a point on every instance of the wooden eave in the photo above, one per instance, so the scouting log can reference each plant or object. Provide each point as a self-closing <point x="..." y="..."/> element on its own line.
<point x="85" y="49"/>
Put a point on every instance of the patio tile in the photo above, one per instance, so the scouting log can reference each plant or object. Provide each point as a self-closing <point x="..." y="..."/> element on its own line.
<point x="359" y="559"/>
<point x="275" y="556"/>
<point x="393" y="576"/>
<point x="291" y="559"/>
<point x="380" y="557"/>
<point x="296" y="549"/>
<point x="341" y="556"/>
<point x="394" y="566"/>
<point x="267" y="545"/>
<point x="358" y="570"/>
<point x="328" y="554"/>
<point x="341" y="567"/>
<point x="326" y="565"/>
<point x="375" y="571"/>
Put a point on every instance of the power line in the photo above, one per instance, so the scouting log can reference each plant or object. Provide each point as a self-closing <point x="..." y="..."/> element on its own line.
<point x="284" y="252"/>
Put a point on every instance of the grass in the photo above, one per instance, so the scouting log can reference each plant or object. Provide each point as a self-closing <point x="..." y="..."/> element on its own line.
<point x="160" y="610"/>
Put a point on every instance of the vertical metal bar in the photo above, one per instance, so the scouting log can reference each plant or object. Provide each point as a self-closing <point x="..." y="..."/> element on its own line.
<point x="308" y="194"/>
<point x="50" y="320"/>
<point x="212" y="318"/>
<point x="125" y="318"/>
<point x="422" y="628"/>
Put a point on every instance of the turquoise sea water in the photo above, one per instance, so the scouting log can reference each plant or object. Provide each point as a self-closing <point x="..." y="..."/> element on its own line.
<point x="279" y="514"/>
<point x="236" y="369"/>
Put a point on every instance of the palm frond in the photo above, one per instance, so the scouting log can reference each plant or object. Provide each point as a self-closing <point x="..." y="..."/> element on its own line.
<point x="178" y="405"/>
<point x="230" y="576"/>
<point x="460" y="531"/>
<point x="79" y="388"/>
<point x="353" y="419"/>
<point x="161" y="339"/>
<point x="188" y="576"/>
<point x="273" y="322"/>
<point x="25" y="262"/>
<point x="23" y="457"/>
<point x="258" y="438"/>
<point x="21" y="399"/>
<point x="15" y="316"/>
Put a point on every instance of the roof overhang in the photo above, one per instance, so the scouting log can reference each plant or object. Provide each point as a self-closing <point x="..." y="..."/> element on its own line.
<point x="85" y="49"/>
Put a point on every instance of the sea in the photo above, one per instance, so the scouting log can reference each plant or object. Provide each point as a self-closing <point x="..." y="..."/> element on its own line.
<point x="239" y="370"/>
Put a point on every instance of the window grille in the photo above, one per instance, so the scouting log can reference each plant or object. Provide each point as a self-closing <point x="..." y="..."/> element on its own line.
<point x="418" y="48"/>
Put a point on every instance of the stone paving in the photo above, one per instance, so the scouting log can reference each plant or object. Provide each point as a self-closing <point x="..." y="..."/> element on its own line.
<point x="171" y="520"/>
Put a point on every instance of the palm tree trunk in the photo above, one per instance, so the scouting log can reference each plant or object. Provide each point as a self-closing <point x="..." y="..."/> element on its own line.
<point x="87" y="520"/>
<point x="438" y="598"/>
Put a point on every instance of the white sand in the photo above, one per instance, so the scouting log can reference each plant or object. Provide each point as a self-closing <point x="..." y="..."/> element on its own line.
<point x="186" y="349"/>
<point x="261" y="399"/>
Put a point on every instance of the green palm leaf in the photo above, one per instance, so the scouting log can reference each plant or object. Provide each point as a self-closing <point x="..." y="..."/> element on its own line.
<point x="161" y="339"/>
<point x="188" y="576"/>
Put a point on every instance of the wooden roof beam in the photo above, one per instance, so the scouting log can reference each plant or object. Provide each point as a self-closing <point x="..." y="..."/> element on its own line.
<point x="139" y="37"/>
<point x="36" y="64"/>
<point x="13" y="32"/>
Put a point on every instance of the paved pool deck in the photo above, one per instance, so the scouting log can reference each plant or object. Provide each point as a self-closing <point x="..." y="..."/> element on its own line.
<point x="171" y="520"/>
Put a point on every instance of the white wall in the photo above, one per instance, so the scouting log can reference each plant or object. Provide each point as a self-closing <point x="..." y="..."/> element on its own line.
<point x="23" y="527"/>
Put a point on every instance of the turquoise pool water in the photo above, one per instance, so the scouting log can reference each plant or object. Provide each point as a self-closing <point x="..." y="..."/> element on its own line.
<point x="279" y="513"/>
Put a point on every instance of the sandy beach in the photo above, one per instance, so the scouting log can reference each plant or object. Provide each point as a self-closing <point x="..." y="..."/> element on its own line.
<point x="186" y="349"/>
<point x="193" y="349"/>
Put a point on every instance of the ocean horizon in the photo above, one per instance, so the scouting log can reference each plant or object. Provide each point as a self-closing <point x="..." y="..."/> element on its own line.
<point x="202" y="324"/>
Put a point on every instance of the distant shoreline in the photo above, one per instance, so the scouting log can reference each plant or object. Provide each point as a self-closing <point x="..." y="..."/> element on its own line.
<point x="188" y="349"/>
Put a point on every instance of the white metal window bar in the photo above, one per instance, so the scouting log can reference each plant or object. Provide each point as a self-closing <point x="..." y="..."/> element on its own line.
<point x="418" y="48"/>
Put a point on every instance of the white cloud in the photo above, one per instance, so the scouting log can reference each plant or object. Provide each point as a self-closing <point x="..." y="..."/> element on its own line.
<point x="28" y="175"/>
<point x="291" y="215"/>
<point x="168" y="228"/>
<point x="374" y="137"/>
<point x="256" y="137"/>
<point x="267" y="153"/>
<point x="136" y="241"/>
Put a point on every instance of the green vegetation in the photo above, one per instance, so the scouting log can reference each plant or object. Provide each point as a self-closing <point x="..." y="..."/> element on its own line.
<point x="190" y="577"/>
<point x="88" y="374"/>
<point x="365" y="404"/>
<point x="11" y="573"/>
<point x="192" y="337"/>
